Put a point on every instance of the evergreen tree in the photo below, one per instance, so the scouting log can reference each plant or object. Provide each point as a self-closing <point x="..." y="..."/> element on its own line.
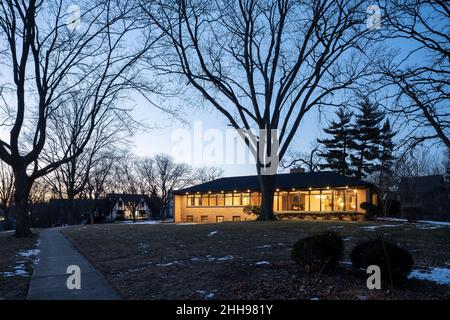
<point x="336" y="147"/>
<point x="366" y="137"/>
<point x="387" y="147"/>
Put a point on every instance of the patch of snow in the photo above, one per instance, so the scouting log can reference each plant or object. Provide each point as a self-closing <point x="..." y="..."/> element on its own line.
<point x="438" y="275"/>
<point x="348" y="239"/>
<point x="260" y="263"/>
<point x="212" y="233"/>
<point x="437" y="223"/>
<point x="264" y="246"/>
<point x="391" y="219"/>
<point x="226" y="258"/>
<point x="205" y="294"/>
<point x="314" y="299"/>
<point x="29" y="253"/>
<point x="167" y="264"/>
<point x="196" y="259"/>
<point x="139" y="222"/>
<point x="185" y="223"/>
<point x="373" y="228"/>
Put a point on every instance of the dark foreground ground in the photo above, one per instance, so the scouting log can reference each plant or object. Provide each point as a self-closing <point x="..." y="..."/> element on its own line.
<point x="16" y="265"/>
<point x="249" y="260"/>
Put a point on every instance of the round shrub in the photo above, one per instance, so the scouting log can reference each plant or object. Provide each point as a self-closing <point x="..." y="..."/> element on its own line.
<point x="318" y="253"/>
<point x="371" y="209"/>
<point x="394" y="262"/>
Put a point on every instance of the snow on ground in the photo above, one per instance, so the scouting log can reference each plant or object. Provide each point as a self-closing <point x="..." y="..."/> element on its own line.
<point x="264" y="246"/>
<point x="167" y="264"/>
<point x="212" y="233"/>
<point x="260" y="263"/>
<point x="226" y="258"/>
<point x="22" y="257"/>
<point x="373" y="228"/>
<point x="438" y="274"/>
<point x="139" y="222"/>
<point x="205" y="294"/>
<point x="437" y="223"/>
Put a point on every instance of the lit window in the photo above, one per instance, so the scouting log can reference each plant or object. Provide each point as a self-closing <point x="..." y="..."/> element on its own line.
<point x="236" y="218"/>
<point x="189" y="218"/>
<point x="219" y="218"/>
<point x="204" y="219"/>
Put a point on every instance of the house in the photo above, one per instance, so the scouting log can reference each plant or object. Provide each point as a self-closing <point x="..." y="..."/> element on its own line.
<point x="122" y="206"/>
<point x="315" y="194"/>
<point x="425" y="197"/>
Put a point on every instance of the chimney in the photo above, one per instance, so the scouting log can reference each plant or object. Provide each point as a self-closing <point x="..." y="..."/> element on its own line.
<point x="297" y="169"/>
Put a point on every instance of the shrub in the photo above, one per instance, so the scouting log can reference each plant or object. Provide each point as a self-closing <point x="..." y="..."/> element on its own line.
<point x="251" y="209"/>
<point x="392" y="260"/>
<point x="318" y="253"/>
<point x="371" y="209"/>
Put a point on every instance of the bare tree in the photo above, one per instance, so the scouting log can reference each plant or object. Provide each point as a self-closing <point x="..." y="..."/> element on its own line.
<point x="264" y="64"/>
<point x="71" y="179"/>
<point x="207" y="174"/>
<point x="419" y="78"/>
<point x="162" y="175"/>
<point x="6" y="190"/>
<point x="311" y="160"/>
<point x="129" y="182"/>
<point x="50" y="56"/>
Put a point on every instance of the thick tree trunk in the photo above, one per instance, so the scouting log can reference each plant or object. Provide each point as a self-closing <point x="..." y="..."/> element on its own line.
<point x="21" y="194"/>
<point x="70" y="211"/>
<point x="267" y="183"/>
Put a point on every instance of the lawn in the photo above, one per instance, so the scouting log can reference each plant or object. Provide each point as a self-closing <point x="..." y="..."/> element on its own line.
<point x="16" y="265"/>
<point x="250" y="260"/>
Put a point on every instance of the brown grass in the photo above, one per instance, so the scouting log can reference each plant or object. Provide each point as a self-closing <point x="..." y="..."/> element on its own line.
<point x="183" y="262"/>
<point x="16" y="286"/>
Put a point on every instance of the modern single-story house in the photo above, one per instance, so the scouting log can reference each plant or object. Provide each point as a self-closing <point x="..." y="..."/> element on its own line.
<point x="316" y="194"/>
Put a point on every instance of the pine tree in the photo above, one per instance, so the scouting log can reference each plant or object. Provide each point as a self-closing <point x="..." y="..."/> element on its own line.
<point x="387" y="147"/>
<point x="336" y="148"/>
<point x="366" y="137"/>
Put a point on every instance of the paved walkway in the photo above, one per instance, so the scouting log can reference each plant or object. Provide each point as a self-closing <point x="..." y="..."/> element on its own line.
<point x="49" y="275"/>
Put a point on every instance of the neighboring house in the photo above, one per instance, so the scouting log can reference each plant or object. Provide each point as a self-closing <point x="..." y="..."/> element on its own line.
<point x="122" y="206"/>
<point x="425" y="197"/>
<point x="322" y="194"/>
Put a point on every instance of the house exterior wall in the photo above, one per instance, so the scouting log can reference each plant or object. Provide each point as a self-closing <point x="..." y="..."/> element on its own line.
<point x="316" y="200"/>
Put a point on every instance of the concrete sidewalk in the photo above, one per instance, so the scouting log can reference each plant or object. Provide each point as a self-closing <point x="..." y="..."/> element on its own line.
<point x="49" y="276"/>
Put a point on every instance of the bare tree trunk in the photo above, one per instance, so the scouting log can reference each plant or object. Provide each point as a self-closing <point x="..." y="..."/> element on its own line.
<point x="267" y="183"/>
<point x="21" y="194"/>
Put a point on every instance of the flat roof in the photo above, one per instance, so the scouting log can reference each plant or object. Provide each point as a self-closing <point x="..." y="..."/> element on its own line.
<point x="301" y="180"/>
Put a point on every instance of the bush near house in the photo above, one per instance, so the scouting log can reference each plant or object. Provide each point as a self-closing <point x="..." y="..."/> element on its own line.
<point x="251" y="209"/>
<point x="395" y="263"/>
<point x="371" y="209"/>
<point x="318" y="253"/>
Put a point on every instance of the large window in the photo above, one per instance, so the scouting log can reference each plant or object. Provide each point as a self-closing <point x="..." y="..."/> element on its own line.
<point x="339" y="200"/>
<point x="350" y="200"/>
<point x="315" y="200"/>
<point x="327" y="200"/>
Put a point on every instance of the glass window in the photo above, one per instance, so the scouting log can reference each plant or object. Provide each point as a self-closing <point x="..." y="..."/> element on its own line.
<point x="190" y="201"/>
<point x="205" y="200"/>
<point x="361" y="196"/>
<point x="189" y="218"/>
<point x="198" y="200"/>
<point x="350" y="200"/>
<point x="213" y="200"/>
<point x="204" y="219"/>
<point x="315" y="200"/>
<point x="220" y="199"/>
<point x="237" y="199"/>
<point x="339" y="200"/>
<point x="219" y="218"/>
<point x="283" y="201"/>
<point x="255" y="199"/>
<point x="327" y="200"/>
<point x="245" y="199"/>
<point x="228" y="199"/>
<point x="236" y="218"/>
